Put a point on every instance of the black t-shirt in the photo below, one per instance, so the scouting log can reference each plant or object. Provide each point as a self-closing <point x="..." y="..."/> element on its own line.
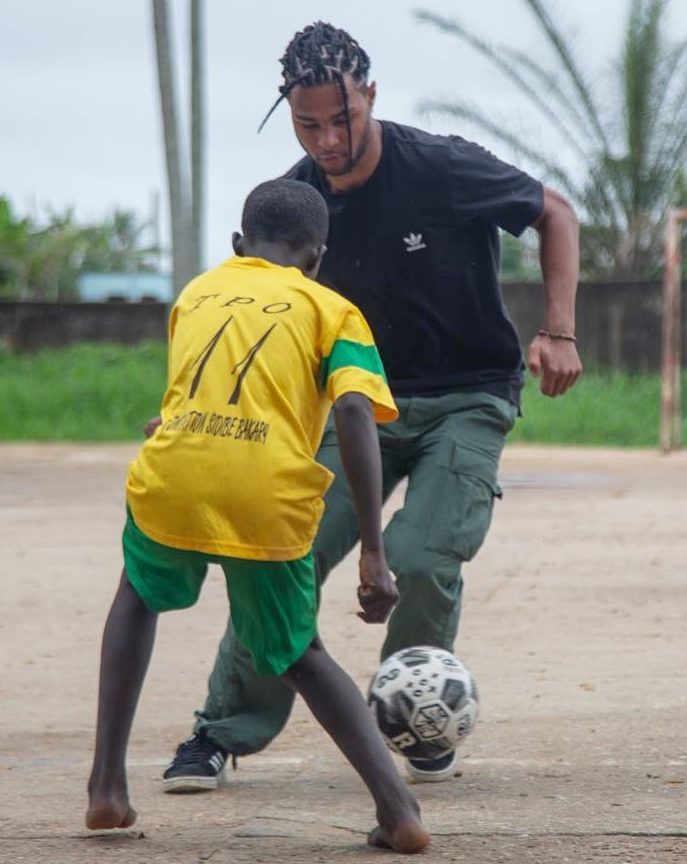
<point x="416" y="248"/>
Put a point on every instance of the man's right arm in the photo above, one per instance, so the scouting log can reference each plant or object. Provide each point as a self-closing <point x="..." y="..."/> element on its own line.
<point x="359" y="447"/>
<point x="553" y="352"/>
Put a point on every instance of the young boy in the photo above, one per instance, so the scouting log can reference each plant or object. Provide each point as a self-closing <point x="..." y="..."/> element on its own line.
<point x="258" y="353"/>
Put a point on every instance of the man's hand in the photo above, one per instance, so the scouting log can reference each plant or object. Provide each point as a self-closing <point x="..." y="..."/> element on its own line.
<point x="558" y="362"/>
<point x="377" y="591"/>
<point x="151" y="426"/>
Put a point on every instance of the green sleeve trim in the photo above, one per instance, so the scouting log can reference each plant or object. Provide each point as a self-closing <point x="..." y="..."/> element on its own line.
<point x="346" y="353"/>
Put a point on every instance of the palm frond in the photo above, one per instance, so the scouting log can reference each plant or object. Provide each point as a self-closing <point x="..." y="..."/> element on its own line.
<point x="679" y="157"/>
<point x="639" y="71"/>
<point x="577" y="79"/>
<point x="633" y="154"/>
<point x="672" y="120"/>
<point x="509" y="63"/>
<point x="668" y="60"/>
<point x="564" y="104"/>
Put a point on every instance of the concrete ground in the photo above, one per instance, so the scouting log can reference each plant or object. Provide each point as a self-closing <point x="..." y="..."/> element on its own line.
<point x="573" y="625"/>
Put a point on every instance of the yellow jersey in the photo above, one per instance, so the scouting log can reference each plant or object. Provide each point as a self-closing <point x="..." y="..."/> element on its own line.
<point x="257" y="355"/>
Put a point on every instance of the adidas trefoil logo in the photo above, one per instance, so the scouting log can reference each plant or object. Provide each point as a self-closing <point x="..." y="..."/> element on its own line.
<point x="414" y="242"/>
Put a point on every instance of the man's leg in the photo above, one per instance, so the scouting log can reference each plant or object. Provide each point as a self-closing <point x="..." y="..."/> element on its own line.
<point x="127" y="645"/>
<point x="339" y="707"/>
<point x="447" y="512"/>
<point x="452" y="482"/>
<point x="243" y="711"/>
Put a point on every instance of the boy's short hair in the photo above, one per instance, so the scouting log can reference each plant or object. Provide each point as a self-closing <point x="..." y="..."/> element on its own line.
<point x="286" y="211"/>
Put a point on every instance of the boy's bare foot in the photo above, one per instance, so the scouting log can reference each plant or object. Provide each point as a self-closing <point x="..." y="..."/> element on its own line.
<point x="408" y="837"/>
<point x="106" y="813"/>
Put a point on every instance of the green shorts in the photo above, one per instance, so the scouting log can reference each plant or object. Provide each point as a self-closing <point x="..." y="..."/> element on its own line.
<point x="273" y="603"/>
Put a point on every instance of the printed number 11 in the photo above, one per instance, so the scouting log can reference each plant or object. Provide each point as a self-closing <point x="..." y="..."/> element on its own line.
<point x="243" y="364"/>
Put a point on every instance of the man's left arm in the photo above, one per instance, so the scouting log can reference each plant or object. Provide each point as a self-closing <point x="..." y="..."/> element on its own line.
<point x="553" y="352"/>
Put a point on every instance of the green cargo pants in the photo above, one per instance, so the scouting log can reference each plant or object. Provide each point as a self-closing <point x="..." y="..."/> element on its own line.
<point x="449" y="449"/>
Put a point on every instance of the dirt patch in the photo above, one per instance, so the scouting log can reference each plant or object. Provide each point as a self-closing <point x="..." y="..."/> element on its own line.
<point x="573" y="626"/>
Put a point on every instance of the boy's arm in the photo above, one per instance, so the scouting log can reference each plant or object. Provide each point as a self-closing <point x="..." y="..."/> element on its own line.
<point x="359" y="447"/>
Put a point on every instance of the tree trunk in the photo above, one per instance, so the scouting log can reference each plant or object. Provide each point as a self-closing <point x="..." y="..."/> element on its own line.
<point x="177" y="183"/>
<point x="197" y="133"/>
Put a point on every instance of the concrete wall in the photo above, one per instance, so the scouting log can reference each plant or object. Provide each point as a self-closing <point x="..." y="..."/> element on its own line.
<point x="28" y="326"/>
<point x="618" y="325"/>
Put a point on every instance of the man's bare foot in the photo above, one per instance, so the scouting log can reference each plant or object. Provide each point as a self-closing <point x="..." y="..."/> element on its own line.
<point x="106" y="813"/>
<point x="408" y="837"/>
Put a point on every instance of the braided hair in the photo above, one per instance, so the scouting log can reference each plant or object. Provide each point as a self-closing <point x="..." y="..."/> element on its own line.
<point x="322" y="54"/>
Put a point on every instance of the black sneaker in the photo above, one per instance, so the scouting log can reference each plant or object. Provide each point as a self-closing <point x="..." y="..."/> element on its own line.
<point x="433" y="770"/>
<point x="196" y="766"/>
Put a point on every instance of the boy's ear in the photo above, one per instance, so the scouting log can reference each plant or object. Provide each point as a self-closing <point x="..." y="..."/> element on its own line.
<point x="314" y="260"/>
<point x="237" y="243"/>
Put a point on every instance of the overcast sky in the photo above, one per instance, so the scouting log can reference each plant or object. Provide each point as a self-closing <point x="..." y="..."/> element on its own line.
<point x="79" y="115"/>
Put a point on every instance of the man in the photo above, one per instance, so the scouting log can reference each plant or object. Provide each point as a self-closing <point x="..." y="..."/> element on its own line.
<point x="413" y="241"/>
<point x="258" y="353"/>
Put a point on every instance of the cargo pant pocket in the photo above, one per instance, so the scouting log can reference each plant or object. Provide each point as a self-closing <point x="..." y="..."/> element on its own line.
<point x="463" y="504"/>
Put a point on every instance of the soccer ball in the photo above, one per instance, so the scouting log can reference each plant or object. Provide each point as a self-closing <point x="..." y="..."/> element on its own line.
<point x="425" y="702"/>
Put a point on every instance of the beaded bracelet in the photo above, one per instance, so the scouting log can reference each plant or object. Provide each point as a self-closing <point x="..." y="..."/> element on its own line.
<point x="565" y="336"/>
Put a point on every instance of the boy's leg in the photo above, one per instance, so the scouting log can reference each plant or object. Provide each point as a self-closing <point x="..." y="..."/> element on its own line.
<point x="126" y="648"/>
<point x="339" y="707"/>
<point x="244" y="711"/>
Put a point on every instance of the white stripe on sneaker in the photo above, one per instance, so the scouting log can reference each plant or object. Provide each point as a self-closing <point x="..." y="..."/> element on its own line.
<point x="216" y="761"/>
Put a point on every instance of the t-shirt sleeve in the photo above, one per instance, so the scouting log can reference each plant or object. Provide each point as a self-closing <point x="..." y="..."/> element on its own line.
<point x="351" y="364"/>
<point x="485" y="188"/>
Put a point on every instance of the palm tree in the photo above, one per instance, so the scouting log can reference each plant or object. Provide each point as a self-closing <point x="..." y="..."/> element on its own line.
<point x="120" y="244"/>
<point x="633" y="154"/>
<point x="42" y="258"/>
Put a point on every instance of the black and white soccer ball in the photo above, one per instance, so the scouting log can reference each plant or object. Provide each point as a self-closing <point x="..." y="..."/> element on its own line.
<point x="425" y="702"/>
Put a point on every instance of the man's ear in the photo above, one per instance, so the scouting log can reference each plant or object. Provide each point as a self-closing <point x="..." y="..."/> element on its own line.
<point x="314" y="260"/>
<point x="371" y="93"/>
<point x="237" y="243"/>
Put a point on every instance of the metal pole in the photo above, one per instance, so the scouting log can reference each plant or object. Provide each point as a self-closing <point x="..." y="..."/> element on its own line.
<point x="671" y="415"/>
<point x="677" y="330"/>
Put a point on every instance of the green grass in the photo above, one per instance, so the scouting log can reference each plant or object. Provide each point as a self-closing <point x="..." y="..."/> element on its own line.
<point x="103" y="392"/>
<point x="86" y="392"/>
<point x="604" y="409"/>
